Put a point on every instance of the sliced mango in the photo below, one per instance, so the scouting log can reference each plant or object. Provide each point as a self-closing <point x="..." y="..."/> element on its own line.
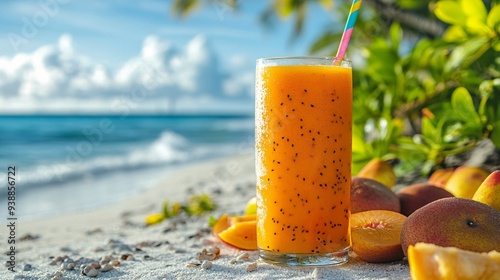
<point x="242" y="235"/>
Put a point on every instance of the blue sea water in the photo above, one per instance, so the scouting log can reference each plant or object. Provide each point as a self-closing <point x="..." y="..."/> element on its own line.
<point x="68" y="163"/>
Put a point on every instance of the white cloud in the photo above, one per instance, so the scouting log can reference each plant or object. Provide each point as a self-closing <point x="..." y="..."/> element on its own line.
<point x="161" y="78"/>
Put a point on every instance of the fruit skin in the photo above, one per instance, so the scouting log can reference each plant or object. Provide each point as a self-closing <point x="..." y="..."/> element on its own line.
<point x="380" y="171"/>
<point x="221" y="225"/>
<point x="251" y="207"/>
<point x="375" y="235"/>
<point x="489" y="191"/>
<point x="428" y="261"/>
<point x="440" y="177"/>
<point x="465" y="180"/>
<point x="368" y="194"/>
<point x="454" y="222"/>
<point x="415" y="196"/>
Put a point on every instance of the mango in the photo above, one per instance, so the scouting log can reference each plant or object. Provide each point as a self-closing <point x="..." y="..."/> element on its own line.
<point x="439" y="177"/>
<point x="368" y="194"/>
<point x="465" y="180"/>
<point x="225" y="221"/>
<point x="489" y="191"/>
<point x="251" y="207"/>
<point x="454" y="222"/>
<point x="415" y="196"/>
<point x="242" y="235"/>
<point x="380" y="171"/>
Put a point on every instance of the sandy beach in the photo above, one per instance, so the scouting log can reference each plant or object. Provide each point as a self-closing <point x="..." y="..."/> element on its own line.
<point x="167" y="250"/>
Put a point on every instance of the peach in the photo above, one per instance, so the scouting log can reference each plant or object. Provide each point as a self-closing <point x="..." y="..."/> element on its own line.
<point x="368" y="194"/>
<point x="440" y="177"/>
<point x="465" y="180"/>
<point x="489" y="191"/>
<point x="454" y="222"/>
<point x="375" y="235"/>
<point x="380" y="171"/>
<point x="415" y="196"/>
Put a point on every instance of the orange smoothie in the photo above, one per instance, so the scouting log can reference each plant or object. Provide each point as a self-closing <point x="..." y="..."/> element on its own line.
<point x="303" y="158"/>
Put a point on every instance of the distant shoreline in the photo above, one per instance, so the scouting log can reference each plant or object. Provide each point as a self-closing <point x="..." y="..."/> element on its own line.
<point x="204" y="115"/>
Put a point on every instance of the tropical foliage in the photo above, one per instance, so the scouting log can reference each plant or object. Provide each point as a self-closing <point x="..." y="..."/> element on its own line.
<point x="429" y="83"/>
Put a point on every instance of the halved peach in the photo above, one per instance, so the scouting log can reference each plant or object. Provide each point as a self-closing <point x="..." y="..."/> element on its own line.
<point x="375" y="235"/>
<point x="242" y="235"/>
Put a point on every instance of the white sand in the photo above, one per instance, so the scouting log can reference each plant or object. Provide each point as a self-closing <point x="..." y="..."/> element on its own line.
<point x="118" y="229"/>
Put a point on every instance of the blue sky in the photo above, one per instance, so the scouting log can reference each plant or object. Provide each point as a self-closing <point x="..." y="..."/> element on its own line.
<point x="100" y="56"/>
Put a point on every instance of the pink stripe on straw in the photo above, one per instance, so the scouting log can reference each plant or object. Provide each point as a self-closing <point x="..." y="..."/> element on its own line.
<point x="344" y="42"/>
<point x="349" y="26"/>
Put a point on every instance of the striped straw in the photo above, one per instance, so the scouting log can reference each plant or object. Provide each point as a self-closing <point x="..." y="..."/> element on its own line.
<point x="349" y="26"/>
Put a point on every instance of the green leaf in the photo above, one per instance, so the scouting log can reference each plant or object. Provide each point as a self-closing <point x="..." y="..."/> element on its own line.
<point x="413" y="4"/>
<point x="493" y="19"/>
<point x="285" y="8"/>
<point x="463" y="106"/>
<point x="474" y="9"/>
<point x="211" y="221"/>
<point x="184" y="7"/>
<point x="326" y="4"/>
<point x="463" y="55"/>
<point x="450" y="12"/>
<point x="455" y="33"/>
<point x="495" y="134"/>
<point x="431" y="134"/>
<point x="496" y="45"/>
<point x="396" y="34"/>
<point x="154" y="218"/>
<point x="358" y="144"/>
<point x="475" y="26"/>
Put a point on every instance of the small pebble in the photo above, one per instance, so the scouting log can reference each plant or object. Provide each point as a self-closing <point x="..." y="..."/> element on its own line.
<point x="95" y="265"/>
<point x="192" y="264"/>
<point x="98" y="249"/>
<point x="65" y="249"/>
<point x="252" y="267"/>
<point x="107" y="267"/>
<point x="206" y="264"/>
<point x="214" y="250"/>
<point x="209" y="255"/>
<point x="28" y="237"/>
<point x="90" y="271"/>
<point x="67" y="266"/>
<point x="127" y="257"/>
<point x="115" y="263"/>
<point x="27" y="267"/>
<point x="56" y="260"/>
<point x="243" y="257"/>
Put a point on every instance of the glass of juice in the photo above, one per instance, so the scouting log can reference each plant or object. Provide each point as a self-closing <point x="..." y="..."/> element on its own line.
<point x="303" y="137"/>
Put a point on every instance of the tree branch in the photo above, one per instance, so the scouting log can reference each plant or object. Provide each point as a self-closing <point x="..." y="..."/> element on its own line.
<point x="429" y="27"/>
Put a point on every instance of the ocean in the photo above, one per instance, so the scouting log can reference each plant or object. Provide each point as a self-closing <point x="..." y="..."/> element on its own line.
<point x="72" y="163"/>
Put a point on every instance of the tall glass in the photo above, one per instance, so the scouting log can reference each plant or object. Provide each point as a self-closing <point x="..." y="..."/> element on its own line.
<point x="303" y="160"/>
